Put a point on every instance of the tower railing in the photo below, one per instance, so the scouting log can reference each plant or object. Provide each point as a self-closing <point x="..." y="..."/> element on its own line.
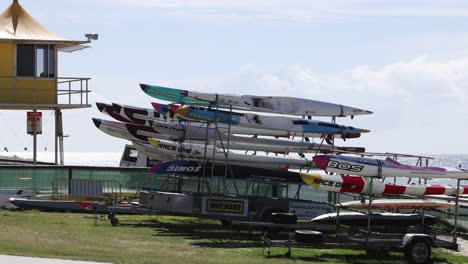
<point x="68" y="91"/>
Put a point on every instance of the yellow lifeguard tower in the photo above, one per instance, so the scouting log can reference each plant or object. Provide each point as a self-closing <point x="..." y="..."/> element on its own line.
<point x="29" y="73"/>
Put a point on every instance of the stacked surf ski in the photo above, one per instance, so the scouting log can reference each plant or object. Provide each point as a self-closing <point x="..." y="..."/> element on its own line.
<point x="384" y="168"/>
<point x="201" y="132"/>
<point x="208" y="131"/>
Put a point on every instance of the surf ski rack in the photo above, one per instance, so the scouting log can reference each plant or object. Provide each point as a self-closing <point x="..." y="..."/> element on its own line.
<point x="416" y="247"/>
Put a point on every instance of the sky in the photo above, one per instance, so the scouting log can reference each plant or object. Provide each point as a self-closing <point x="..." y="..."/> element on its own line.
<point x="407" y="61"/>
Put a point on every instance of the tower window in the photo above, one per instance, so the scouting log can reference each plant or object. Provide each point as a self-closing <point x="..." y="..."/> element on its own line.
<point x="35" y="61"/>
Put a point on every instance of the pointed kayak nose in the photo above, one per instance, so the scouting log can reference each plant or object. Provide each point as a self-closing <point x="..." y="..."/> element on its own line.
<point x="144" y="86"/>
<point x="97" y="122"/>
<point x="157" y="107"/>
<point x="321" y="161"/>
<point x="101" y="106"/>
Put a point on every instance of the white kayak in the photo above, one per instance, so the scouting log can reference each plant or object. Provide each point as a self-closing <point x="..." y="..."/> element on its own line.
<point x="384" y="168"/>
<point x="278" y="104"/>
<point x="188" y="132"/>
<point x="198" y="151"/>
<point x="291" y="124"/>
<point x="401" y="204"/>
<point x="149" y="151"/>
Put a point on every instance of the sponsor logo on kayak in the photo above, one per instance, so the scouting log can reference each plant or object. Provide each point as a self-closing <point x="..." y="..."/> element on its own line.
<point x="183" y="168"/>
<point x="335" y="184"/>
<point x="158" y="92"/>
<point x="173" y="148"/>
<point x="200" y="116"/>
<point x="344" y="166"/>
<point x="168" y="127"/>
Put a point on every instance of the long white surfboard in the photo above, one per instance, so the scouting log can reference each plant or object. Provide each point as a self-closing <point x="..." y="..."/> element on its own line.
<point x="384" y="168"/>
<point x="198" y="151"/>
<point x="278" y="104"/>
<point x="150" y="151"/>
<point x="291" y="124"/>
<point x="188" y="132"/>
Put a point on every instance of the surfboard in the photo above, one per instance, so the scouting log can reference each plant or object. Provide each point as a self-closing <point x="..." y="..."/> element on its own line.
<point x="317" y="180"/>
<point x="293" y="125"/>
<point x="132" y="132"/>
<point x="198" y="151"/>
<point x="108" y="110"/>
<point x="195" y="169"/>
<point x="113" y="128"/>
<point x="127" y="131"/>
<point x="142" y="132"/>
<point x="393" y="204"/>
<point x="150" y="151"/>
<point x="386" y="219"/>
<point x="278" y="104"/>
<point x="169" y="94"/>
<point x="252" y="130"/>
<point x="387" y="168"/>
<point x="136" y="115"/>
<point x="188" y="132"/>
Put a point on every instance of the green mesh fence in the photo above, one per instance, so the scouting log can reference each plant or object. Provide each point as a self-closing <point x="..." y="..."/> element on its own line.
<point x="40" y="179"/>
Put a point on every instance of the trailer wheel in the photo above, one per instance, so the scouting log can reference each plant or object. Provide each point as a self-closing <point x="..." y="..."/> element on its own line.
<point x="225" y="222"/>
<point x="381" y="253"/>
<point x="418" y="251"/>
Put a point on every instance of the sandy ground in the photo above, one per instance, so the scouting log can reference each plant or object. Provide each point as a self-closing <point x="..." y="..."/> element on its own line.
<point x="464" y="247"/>
<point x="30" y="260"/>
<point x="463" y="244"/>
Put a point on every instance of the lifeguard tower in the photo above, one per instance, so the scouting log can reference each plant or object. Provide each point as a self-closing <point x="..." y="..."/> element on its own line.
<point x="29" y="71"/>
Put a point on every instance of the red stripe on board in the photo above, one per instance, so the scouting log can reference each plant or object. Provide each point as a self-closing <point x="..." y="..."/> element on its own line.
<point x="465" y="189"/>
<point x="436" y="189"/>
<point x="394" y="189"/>
<point x="352" y="184"/>
<point x="85" y="204"/>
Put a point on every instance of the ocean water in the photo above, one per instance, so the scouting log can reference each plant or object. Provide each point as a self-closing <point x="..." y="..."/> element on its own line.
<point x="113" y="158"/>
<point x="105" y="159"/>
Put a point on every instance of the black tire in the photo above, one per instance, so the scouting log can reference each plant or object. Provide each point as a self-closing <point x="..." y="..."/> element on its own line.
<point x="110" y="216"/>
<point x="225" y="222"/>
<point x="380" y="253"/>
<point x="308" y="236"/>
<point x="418" y="251"/>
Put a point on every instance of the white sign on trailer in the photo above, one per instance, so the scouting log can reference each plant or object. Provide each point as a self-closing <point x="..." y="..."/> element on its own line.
<point x="225" y="206"/>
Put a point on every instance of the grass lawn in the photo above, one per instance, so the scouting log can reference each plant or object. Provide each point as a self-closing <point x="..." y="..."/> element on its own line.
<point x="158" y="239"/>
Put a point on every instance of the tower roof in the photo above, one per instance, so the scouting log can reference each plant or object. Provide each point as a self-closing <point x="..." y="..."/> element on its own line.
<point x="17" y="25"/>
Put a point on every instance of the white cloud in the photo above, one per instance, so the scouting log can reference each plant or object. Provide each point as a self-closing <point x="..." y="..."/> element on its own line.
<point x="310" y="10"/>
<point x="421" y="105"/>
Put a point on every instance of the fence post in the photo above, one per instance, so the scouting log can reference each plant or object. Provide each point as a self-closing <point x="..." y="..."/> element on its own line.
<point x="70" y="178"/>
<point x="69" y="92"/>
<point x="81" y="93"/>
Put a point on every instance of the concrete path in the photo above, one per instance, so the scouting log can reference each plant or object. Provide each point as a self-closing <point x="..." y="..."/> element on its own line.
<point x="30" y="260"/>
